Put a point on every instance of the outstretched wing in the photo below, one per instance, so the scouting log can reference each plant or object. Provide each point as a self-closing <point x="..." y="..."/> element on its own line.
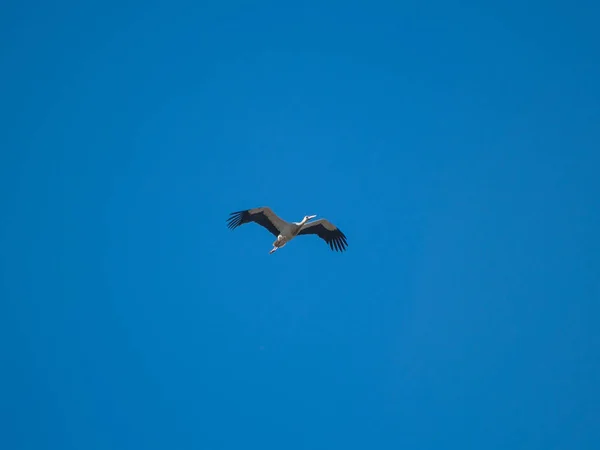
<point x="263" y="216"/>
<point x="328" y="232"/>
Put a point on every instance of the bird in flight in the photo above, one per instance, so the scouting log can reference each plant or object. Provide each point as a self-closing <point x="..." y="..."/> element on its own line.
<point x="286" y="231"/>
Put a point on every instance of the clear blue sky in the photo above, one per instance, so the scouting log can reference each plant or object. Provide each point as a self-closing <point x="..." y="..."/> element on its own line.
<point x="456" y="145"/>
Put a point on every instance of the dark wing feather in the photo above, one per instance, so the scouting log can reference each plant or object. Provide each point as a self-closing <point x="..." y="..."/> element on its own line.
<point x="241" y="217"/>
<point x="335" y="238"/>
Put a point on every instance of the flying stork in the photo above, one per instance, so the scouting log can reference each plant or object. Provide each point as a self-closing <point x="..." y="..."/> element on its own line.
<point x="286" y="231"/>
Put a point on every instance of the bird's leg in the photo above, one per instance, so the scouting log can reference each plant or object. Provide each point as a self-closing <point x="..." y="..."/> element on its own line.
<point x="279" y="242"/>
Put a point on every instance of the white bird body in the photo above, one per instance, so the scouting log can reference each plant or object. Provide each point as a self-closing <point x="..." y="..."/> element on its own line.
<point x="286" y="231"/>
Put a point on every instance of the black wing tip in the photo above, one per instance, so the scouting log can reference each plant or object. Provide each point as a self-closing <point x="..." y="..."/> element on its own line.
<point x="235" y="219"/>
<point x="338" y="242"/>
<point x="337" y="248"/>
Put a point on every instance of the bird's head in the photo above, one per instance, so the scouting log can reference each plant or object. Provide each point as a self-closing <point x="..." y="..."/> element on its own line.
<point x="307" y="218"/>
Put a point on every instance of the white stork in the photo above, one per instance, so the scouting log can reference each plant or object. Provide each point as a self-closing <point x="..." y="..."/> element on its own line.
<point x="286" y="231"/>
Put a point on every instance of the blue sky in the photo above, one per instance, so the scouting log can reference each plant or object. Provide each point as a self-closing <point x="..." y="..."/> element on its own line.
<point x="456" y="145"/>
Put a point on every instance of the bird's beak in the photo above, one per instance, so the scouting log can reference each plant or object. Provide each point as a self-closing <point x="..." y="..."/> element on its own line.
<point x="311" y="217"/>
